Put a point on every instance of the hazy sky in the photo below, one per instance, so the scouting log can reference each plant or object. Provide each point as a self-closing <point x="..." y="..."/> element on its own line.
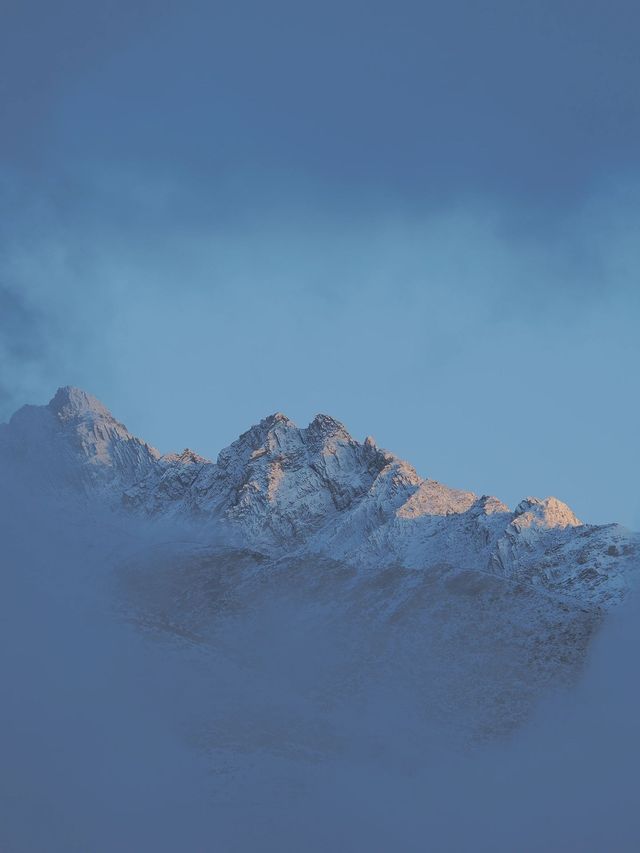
<point x="421" y="218"/>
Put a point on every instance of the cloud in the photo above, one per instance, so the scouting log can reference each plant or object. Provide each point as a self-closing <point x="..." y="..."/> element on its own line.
<point x="103" y="724"/>
<point x="23" y="345"/>
<point x="19" y="326"/>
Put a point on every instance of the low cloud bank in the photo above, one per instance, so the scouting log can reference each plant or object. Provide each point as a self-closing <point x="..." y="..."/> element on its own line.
<point x="104" y="732"/>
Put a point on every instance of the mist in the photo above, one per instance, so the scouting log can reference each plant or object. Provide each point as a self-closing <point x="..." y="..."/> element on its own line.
<point x="138" y="714"/>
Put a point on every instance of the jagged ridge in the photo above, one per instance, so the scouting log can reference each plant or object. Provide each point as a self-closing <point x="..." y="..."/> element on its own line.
<point x="285" y="489"/>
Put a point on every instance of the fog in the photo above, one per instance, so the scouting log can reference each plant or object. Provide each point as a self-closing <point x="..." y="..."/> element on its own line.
<point x="242" y="727"/>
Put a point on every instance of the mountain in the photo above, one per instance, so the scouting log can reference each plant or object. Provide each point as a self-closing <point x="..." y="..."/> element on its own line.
<point x="282" y="490"/>
<point x="317" y="575"/>
<point x="75" y="447"/>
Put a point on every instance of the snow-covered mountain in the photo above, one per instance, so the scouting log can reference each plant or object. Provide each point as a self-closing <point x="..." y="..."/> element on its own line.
<point x="281" y="490"/>
<point x="317" y="575"/>
<point x="74" y="446"/>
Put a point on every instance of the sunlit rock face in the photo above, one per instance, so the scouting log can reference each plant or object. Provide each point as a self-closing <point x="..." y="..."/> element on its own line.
<point x="548" y="513"/>
<point x="284" y="490"/>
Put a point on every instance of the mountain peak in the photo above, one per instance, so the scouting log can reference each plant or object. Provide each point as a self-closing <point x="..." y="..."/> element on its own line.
<point x="70" y="402"/>
<point x="276" y="418"/>
<point x="546" y="513"/>
<point x="326" y="425"/>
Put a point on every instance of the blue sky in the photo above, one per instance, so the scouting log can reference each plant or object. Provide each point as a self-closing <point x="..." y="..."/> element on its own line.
<point x="421" y="218"/>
